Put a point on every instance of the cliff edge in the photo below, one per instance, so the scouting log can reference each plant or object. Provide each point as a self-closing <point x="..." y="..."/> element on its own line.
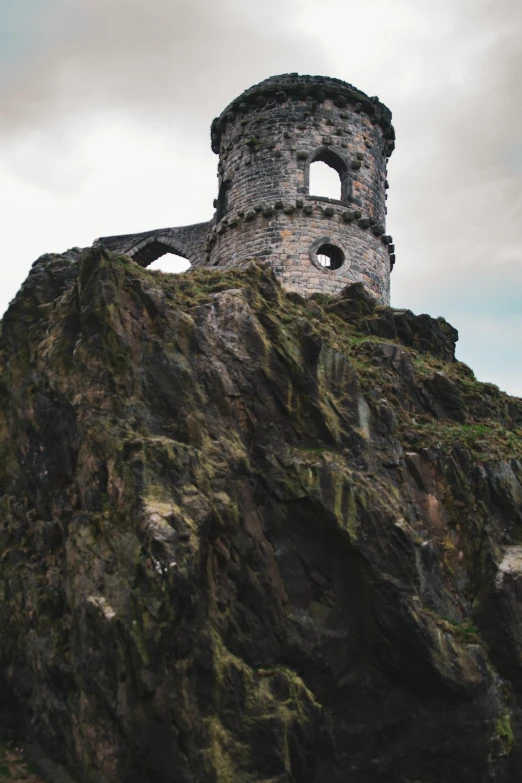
<point x="251" y="538"/>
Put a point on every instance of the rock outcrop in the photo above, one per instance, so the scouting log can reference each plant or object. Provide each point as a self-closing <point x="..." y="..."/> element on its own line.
<point x="251" y="538"/>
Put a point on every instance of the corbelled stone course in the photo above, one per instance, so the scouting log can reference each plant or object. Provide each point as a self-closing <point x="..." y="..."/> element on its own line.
<point x="267" y="140"/>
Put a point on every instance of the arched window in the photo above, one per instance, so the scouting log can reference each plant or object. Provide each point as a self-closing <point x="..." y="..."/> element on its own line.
<point x="330" y="256"/>
<point x="324" y="181"/>
<point x="328" y="176"/>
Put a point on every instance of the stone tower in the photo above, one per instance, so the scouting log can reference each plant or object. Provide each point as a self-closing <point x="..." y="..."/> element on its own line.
<point x="267" y="140"/>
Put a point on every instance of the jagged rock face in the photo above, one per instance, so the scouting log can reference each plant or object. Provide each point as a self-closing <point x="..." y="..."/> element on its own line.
<point x="251" y="538"/>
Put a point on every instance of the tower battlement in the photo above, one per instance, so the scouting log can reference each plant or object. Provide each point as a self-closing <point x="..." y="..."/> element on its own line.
<point x="267" y="139"/>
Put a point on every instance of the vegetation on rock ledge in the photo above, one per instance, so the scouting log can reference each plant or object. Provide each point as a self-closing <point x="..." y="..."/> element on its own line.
<point x="246" y="536"/>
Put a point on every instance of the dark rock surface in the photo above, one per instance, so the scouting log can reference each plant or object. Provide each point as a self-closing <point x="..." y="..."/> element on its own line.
<point x="251" y="538"/>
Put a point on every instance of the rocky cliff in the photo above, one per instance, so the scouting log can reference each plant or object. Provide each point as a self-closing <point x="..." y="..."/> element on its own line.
<point x="251" y="538"/>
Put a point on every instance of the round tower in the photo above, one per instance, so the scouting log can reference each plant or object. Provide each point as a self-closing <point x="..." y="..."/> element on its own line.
<point x="267" y="139"/>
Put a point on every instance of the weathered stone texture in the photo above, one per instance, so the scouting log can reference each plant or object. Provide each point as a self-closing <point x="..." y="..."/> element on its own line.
<point x="267" y="139"/>
<point x="247" y="537"/>
<point x="186" y="241"/>
<point x="285" y="241"/>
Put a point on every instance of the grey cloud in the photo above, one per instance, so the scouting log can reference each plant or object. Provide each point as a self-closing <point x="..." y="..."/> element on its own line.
<point x="177" y="61"/>
<point x="456" y="202"/>
<point x="169" y="65"/>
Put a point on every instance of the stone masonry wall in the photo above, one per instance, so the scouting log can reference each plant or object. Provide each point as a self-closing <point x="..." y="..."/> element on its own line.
<point x="287" y="240"/>
<point x="265" y="154"/>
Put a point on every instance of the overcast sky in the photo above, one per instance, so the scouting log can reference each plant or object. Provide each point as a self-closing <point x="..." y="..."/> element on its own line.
<point x="105" y="108"/>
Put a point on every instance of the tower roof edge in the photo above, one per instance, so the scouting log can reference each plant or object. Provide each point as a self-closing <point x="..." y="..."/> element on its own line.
<point x="303" y="87"/>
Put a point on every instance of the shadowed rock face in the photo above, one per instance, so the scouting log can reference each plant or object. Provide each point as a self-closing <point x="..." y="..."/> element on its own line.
<point x="251" y="538"/>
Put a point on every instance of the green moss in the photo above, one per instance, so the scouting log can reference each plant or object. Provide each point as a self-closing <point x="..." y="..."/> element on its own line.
<point x="464" y="632"/>
<point x="486" y="440"/>
<point x="505" y="732"/>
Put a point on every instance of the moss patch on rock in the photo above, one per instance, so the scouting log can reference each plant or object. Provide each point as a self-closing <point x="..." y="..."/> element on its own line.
<point x="246" y="536"/>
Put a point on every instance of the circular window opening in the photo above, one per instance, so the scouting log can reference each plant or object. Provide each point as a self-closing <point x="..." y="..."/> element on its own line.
<point x="330" y="256"/>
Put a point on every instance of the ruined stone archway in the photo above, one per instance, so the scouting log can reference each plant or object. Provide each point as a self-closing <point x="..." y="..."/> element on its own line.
<point x="188" y="242"/>
<point x="150" y="249"/>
